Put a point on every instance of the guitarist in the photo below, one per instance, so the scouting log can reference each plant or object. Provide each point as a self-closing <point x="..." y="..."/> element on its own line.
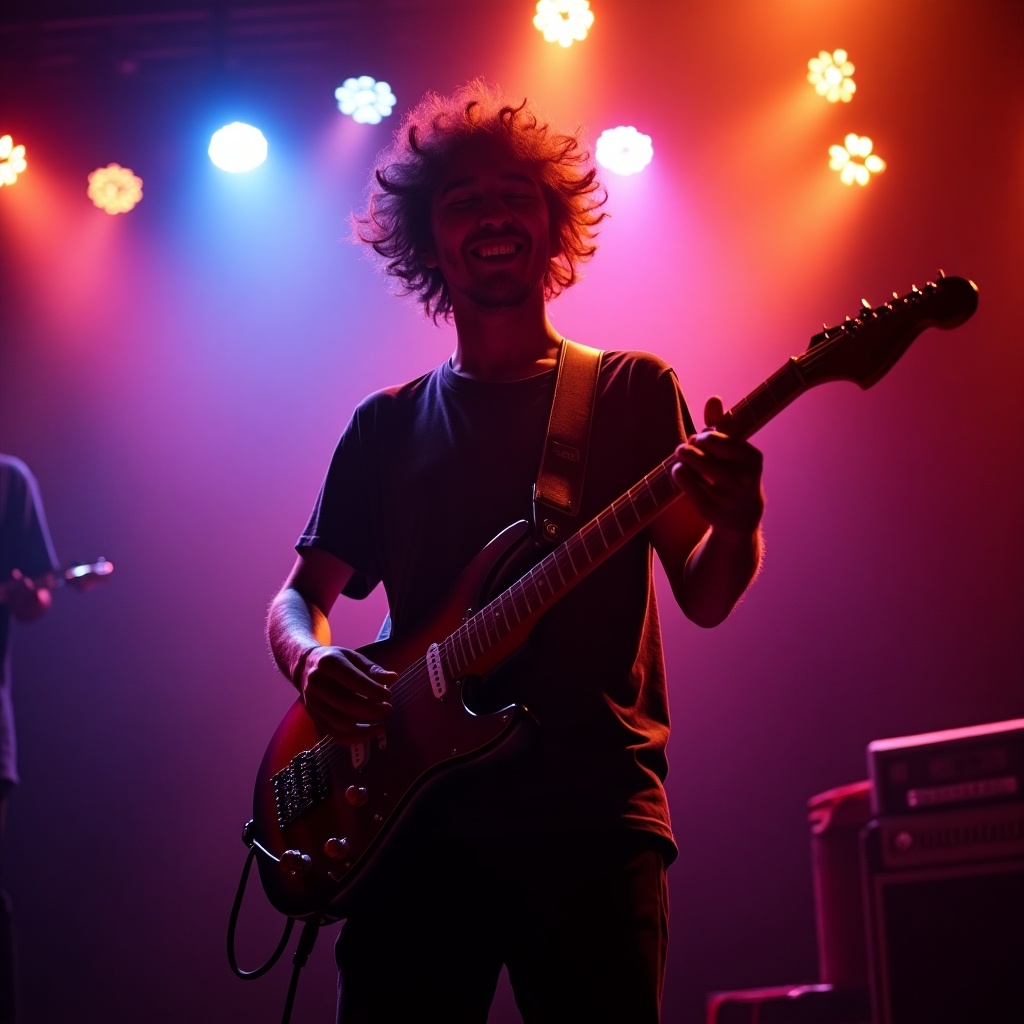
<point x="25" y="551"/>
<point x="551" y="862"/>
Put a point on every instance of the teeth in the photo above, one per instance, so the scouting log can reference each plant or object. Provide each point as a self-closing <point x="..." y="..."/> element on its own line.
<point x="505" y="249"/>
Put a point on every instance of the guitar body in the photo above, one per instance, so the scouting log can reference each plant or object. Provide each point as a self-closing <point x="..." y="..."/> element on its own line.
<point x="323" y="810"/>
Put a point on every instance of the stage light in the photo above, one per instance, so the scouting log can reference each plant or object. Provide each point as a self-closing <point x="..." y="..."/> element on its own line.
<point x="114" y="188"/>
<point x="238" y="147"/>
<point x="12" y="161"/>
<point x="564" y="21"/>
<point x="624" y="150"/>
<point x="831" y="76"/>
<point x="365" y="100"/>
<point x="854" y="160"/>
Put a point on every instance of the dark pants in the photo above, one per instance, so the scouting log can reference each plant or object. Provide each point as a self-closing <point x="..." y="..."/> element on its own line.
<point x="581" y="924"/>
<point x="8" y="960"/>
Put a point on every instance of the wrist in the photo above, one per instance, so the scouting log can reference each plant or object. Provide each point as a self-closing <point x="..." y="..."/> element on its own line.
<point x="300" y="667"/>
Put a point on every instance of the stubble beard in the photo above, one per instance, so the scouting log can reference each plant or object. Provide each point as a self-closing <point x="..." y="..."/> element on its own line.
<point x="500" y="295"/>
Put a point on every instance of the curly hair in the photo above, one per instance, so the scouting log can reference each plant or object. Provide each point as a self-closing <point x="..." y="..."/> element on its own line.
<point x="396" y="222"/>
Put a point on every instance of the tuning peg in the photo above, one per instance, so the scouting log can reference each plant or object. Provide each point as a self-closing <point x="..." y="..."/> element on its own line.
<point x="915" y="289"/>
<point x="895" y="295"/>
<point x="865" y="303"/>
<point x="942" y="274"/>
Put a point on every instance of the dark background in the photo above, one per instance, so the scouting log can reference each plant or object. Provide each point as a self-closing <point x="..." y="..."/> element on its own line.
<point x="177" y="378"/>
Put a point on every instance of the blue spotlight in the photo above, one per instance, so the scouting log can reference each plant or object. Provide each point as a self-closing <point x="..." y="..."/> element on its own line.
<point x="238" y="147"/>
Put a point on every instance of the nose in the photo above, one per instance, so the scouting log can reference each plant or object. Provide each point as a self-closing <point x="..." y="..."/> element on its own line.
<point x="494" y="212"/>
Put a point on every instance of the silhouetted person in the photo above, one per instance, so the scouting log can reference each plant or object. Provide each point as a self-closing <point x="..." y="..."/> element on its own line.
<point x="26" y="552"/>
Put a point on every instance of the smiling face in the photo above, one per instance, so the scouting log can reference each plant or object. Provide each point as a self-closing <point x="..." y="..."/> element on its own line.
<point x="493" y="239"/>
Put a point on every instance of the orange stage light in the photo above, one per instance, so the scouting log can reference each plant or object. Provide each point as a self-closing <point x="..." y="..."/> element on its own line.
<point x="114" y="188"/>
<point x="564" y="21"/>
<point x="831" y="74"/>
<point x="854" y="160"/>
<point x="12" y="161"/>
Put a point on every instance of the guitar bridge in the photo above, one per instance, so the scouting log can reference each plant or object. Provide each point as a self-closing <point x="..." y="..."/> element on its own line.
<point x="302" y="784"/>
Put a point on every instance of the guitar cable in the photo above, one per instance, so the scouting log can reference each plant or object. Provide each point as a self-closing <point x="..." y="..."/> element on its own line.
<point x="307" y="939"/>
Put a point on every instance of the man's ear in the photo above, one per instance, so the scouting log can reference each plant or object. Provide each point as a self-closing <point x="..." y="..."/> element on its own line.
<point x="429" y="259"/>
<point x="554" y="242"/>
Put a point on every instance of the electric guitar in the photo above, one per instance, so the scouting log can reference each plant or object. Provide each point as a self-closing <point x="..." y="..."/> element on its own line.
<point x="323" y="811"/>
<point x="81" y="576"/>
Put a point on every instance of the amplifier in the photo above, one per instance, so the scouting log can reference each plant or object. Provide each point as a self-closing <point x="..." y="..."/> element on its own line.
<point x="956" y="768"/>
<point x="944" y="902"/>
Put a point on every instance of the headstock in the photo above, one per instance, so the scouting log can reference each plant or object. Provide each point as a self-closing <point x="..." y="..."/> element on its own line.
<point x="865" y="347"/>
<point x="84" y="575"/>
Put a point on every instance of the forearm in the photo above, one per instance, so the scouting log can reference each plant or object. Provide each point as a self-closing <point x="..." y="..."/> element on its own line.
<point x="343" y="691"/>
<point x="717" y="574"/>
<point x="294" y="628"/>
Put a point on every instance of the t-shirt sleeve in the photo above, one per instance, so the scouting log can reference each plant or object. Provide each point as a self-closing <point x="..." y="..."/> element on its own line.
<point x="25" y="527"/>
<point x="660" y="417"/>
<point x="345" y="517"/>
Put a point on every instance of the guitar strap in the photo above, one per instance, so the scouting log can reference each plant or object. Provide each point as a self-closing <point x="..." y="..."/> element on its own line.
<point x="559" y="486"/>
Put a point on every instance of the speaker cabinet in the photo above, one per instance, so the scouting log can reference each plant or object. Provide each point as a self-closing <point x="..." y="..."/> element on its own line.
<point x="944" y="901"/>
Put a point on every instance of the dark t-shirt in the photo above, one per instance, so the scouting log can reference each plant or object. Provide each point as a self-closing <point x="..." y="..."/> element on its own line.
<point x="423" y="477"/>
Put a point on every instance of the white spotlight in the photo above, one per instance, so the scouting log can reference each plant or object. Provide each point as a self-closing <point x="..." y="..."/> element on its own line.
<point x="624" y="150"/>
<point x="238" y="147"/>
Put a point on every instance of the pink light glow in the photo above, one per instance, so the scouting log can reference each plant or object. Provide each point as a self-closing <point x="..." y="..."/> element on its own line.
<point x="178" y="378"/>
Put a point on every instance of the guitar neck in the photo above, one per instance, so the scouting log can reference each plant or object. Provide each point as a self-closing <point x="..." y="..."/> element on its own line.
<point x="79" y="576"/>
<point x="862" y="350"/>
<point x="765" y="402"/>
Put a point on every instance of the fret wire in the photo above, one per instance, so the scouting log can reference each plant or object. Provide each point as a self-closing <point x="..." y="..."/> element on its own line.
<point x="587" y="535"/>
<point x="621" y="505"/>
<point x="555" y="556"/>
<point x="502" y="604"/>
<point x="522" y="592"/>
<point x="463" y="644"/>
<point x="471" y="638"/>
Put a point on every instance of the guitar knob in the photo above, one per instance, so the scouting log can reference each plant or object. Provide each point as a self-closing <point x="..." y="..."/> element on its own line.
<point x="357" y="795"/>
<point x="336" y="848"/>
<point x="295" y="863"/>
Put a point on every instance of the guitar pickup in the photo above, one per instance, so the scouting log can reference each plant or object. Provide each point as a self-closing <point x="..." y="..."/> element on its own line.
<point x="304" y="782"/>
